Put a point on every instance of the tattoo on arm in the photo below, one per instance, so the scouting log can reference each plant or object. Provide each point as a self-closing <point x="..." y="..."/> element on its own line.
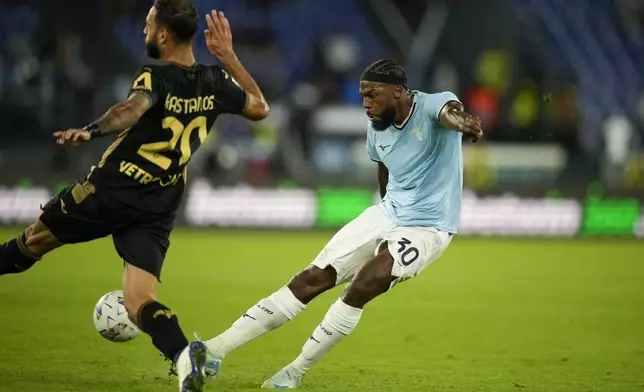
<point x="383" y="179"/>
<point x="125" y="114"/>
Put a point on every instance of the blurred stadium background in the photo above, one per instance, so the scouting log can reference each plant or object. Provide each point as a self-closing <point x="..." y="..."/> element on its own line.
<point x="559" y="85"/>
<point x="560" y="88"/>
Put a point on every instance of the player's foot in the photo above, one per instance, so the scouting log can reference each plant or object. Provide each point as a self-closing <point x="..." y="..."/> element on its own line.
<point x="213" y="365"/>
<point x="190" y="368"/>
<point x="284" y="379"/>
<point x="213" y="360"/>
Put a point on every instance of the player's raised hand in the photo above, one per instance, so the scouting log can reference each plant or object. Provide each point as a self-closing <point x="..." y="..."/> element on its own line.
<point x="471" y="126"/>
<point x="72" y="137"/>
<point x="219" y="39"/>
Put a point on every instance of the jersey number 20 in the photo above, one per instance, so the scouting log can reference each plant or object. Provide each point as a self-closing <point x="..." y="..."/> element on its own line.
<point x="150" y="151"/>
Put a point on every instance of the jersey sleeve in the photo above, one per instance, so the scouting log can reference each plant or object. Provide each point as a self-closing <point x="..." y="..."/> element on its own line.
<point x="372" y="152"/>
<point x="232" y="98"/>
<point x="436" y="102"/>
<point x="147" y="81"/>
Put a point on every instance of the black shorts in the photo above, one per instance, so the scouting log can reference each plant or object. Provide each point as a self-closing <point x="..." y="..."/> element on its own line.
<point x="79" y="214"/>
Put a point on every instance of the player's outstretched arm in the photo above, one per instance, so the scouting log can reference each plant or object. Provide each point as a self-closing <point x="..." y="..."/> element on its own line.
<point x="383" y="179"/>
<point x="118" y="118"/>
<point x="220" y="44"/>
<point x="454" y="116"/>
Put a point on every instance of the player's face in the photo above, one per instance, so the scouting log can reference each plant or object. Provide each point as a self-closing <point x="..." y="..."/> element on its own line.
<point x="151" y="31"/>
<point x="378" y="100"/>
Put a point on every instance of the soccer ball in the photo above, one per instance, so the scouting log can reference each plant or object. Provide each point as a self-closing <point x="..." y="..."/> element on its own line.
<point x="110" y="318"/>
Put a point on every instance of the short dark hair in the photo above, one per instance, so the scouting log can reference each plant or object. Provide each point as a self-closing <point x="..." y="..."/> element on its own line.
<point x="178" y="16"/>
<point x="389" y="67"/>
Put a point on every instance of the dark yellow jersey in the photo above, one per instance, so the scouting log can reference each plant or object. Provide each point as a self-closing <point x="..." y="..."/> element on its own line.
<point x="145" y="166"/>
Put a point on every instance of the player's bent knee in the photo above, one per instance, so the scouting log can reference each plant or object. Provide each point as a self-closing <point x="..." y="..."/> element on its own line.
<point x="312" y="282"/>
<point x="40" y="240"/>
<point x="379" y="268"/>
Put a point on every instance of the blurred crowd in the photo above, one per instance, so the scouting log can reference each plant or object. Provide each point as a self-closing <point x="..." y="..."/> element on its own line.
<point x="529" y="78"/>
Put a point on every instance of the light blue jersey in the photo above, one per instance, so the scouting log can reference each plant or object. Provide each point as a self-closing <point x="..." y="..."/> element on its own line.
<point x="425" y="162"/>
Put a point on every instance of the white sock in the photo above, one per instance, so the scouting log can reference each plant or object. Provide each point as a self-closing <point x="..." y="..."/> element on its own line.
<point x="338" y="322"/>
<point x="267" y="315"/>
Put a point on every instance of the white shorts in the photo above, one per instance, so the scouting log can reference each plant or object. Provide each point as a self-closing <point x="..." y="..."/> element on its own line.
<point x="413" y="248"/>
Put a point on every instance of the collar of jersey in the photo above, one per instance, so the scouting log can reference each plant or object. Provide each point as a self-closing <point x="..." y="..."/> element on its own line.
<point x="411" y="113"/>
<point x="193" y="66"/>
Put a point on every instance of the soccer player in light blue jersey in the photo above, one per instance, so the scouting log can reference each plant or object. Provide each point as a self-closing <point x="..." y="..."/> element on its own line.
<point x="415" y="139"/>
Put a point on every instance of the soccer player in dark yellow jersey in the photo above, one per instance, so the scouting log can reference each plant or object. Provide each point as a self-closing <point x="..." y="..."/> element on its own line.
<point x="135" y="189"/>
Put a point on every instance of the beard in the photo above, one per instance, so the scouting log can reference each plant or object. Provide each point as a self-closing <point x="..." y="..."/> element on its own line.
<point x="385" y="119"/>
<point x="152" y="50"/>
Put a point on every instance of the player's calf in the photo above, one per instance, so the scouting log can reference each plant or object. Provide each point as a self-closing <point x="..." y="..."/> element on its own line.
<point x="158" y="321"/>
<point x="271" y="312"/>
<point x="266" y="315"/>
<point x="21" y="253"/>
<point x="373" y="279"/>
<point x="152" y="317"/>
<point x="339" y="321"/>
<point x="139" y="290"/>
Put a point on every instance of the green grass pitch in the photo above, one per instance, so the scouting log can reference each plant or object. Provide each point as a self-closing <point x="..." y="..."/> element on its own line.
<point x="490" y="315"/>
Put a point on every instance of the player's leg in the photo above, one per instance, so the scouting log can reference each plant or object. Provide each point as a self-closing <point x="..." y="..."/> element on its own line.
<point x="144" y="248"/>
<point x="401" y="255"/>
<point x="337" y="263"/>
<point x="152" y="317"/>
<point x="271" y="312"/>
<point x="339" y="321"/>
<point x="162" y="325"/>
<point x="21" y="253"/>
<point x="69" y="217"/>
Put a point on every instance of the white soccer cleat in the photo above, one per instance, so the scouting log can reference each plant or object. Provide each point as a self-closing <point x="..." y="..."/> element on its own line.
<point x="191" y="368"/>
<point x="284" y="379"/>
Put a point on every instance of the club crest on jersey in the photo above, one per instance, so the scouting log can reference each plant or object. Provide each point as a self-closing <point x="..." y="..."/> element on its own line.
<point x="419" y="136"/>
<point x="143" y="82"/>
